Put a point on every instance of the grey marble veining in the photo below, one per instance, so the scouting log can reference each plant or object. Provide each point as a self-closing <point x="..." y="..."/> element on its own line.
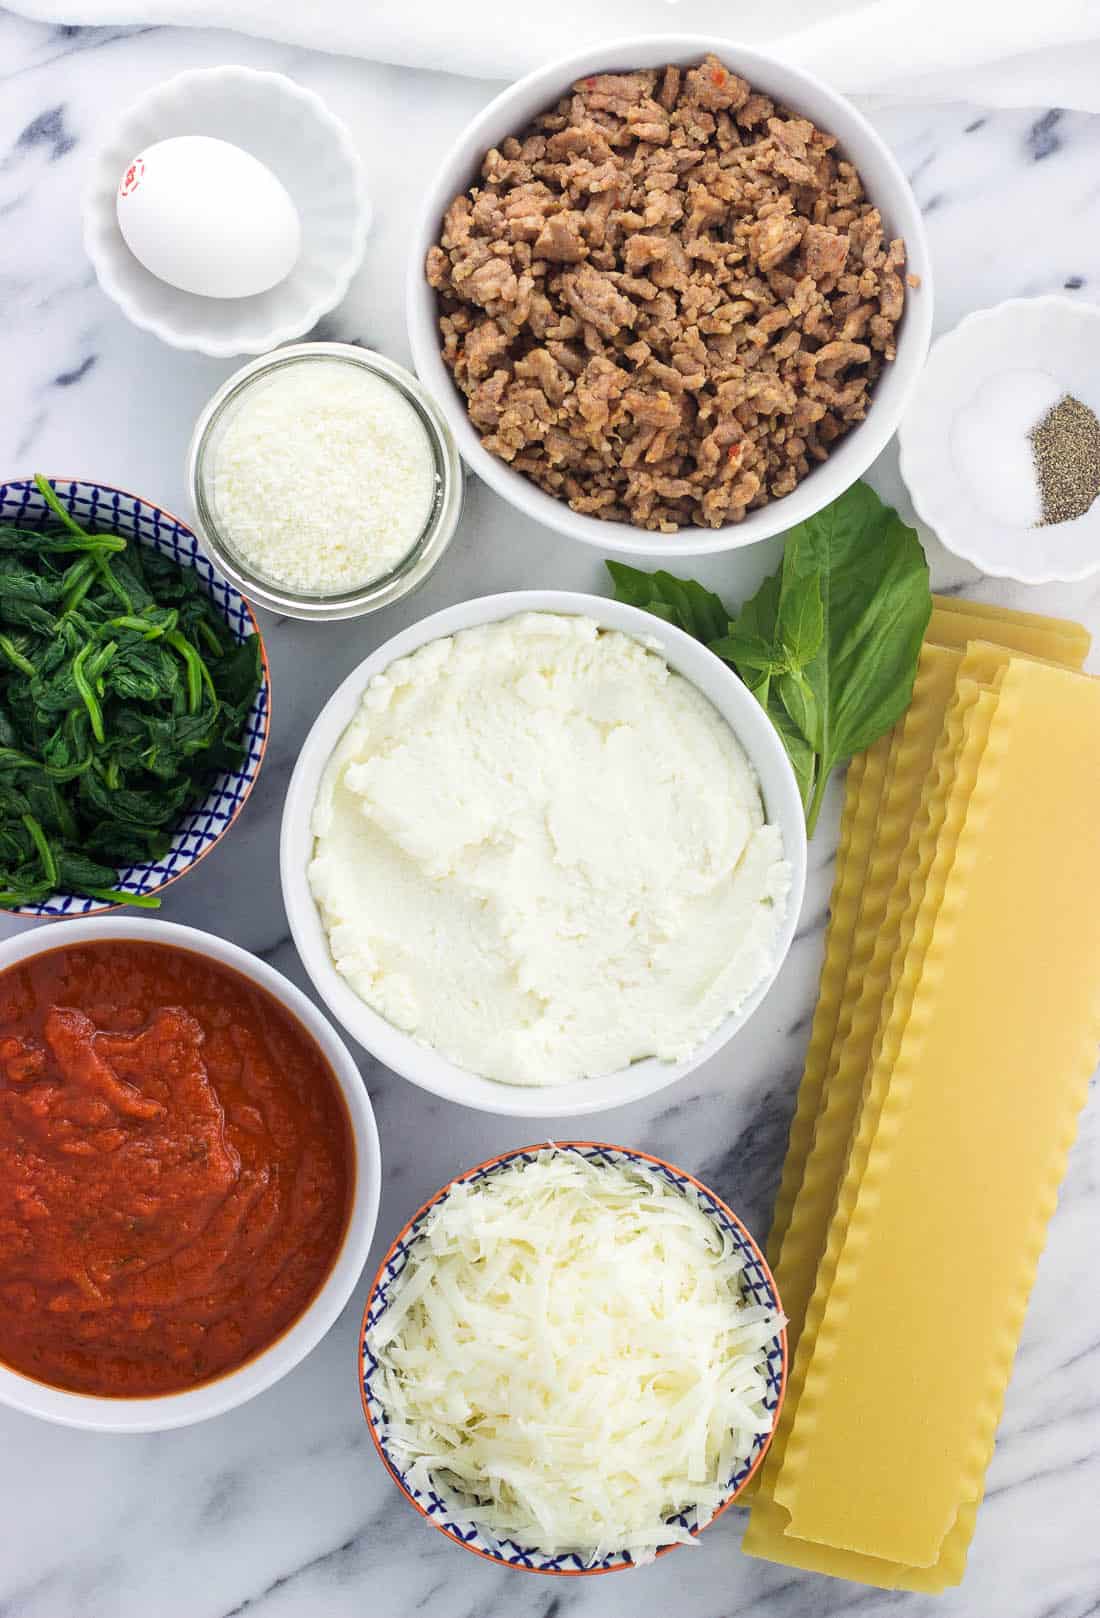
<point x="280" y="1509"/>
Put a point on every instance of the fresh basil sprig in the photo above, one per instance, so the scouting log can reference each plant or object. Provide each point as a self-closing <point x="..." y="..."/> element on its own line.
<point x="829" y="643"/>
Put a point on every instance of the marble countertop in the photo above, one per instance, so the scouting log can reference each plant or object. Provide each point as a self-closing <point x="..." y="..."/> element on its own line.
<point x="281" y="1509"/>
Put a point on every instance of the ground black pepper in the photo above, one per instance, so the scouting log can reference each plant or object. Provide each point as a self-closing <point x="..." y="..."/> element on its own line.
<point x="1066" y="446"/>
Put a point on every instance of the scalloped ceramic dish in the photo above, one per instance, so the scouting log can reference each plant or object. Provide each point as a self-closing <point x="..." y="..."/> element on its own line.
<point x="113" y="511"/>
<point x="1053" y="335"/>
<point x="293" y="132"/>
<point x="759" y="1285"/>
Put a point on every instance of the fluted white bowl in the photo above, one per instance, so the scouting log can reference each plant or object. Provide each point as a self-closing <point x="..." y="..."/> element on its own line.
<point x="283" y="125"/>
<point x="1053" y="337"/>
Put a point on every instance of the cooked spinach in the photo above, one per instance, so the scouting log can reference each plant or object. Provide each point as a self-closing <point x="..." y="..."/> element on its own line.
<point x="829" y="643"/>
<point x="122" y="692"/>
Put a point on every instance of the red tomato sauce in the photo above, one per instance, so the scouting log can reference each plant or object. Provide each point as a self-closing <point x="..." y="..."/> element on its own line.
<point x="176" y="1168"/>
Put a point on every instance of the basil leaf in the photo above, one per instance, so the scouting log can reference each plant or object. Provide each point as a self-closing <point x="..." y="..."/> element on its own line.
<point x="775" y="634"/>
<point x="760" y="614"/>
<point x="747" y="651"/>
<point x="876" y="603"/>
<point x="758" y="681"/>
<point x="800" y="703"/>
<point x="800" y="628"/>
<point x="683" y="602"/>
<point x="829" y="643"/>
<point x="801" y="754"/>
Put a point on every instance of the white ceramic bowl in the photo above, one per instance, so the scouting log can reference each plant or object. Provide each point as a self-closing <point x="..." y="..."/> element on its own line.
<point x="420" y="1063"/>
<point x="302" y="142"/>
<point x="1056" y="336"/>
<point x="885" y="183"/>
<point x="226" y="1392"/>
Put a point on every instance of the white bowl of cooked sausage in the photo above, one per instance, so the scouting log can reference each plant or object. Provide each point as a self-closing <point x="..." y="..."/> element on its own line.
<point x="656" y="290"/>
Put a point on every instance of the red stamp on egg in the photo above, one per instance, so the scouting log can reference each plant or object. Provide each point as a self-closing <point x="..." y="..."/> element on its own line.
<point x="132" y="178"/>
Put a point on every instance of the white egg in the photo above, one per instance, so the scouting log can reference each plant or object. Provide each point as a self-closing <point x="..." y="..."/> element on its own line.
<point x="208" y="218"/>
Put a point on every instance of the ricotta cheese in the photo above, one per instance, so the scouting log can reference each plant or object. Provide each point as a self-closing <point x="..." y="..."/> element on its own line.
<point x="542" y="852"/>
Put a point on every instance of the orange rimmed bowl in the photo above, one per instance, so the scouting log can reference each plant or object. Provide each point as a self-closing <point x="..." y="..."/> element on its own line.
<point x="108" y="510"/>
<point x="759" y="1286"/>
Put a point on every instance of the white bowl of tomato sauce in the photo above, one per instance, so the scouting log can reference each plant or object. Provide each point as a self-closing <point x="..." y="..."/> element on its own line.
<point x="189" y="1175"/>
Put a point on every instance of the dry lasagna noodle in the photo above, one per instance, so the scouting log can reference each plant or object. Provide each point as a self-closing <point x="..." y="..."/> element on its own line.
<point x="890" y="887"/>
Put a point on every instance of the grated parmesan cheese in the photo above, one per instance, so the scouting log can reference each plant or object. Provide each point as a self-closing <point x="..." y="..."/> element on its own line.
<point x="569" y="1358"/>
<point x="323" y="478"/>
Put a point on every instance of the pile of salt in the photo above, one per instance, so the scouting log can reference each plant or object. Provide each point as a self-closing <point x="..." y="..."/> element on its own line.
<point x="991" y="444"/>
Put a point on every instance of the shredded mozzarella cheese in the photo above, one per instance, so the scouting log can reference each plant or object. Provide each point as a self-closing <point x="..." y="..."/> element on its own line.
<point x="570" y="1358"/>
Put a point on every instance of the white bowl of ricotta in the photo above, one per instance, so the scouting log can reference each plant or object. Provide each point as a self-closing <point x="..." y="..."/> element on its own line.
<point x="556" y="844"/>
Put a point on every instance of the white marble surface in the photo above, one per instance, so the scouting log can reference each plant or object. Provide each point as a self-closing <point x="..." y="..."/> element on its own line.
<point x="281" y="1509"/>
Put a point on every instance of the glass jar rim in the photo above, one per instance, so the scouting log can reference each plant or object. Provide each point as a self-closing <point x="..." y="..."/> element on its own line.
<point x="413" y="568"/>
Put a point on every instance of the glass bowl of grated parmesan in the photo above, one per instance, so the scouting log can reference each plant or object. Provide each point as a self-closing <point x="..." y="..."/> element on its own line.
<point x="325" y="481"/>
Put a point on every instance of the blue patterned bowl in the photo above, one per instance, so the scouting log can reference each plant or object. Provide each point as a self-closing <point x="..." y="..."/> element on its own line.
<point x="113" y="511"/>
<point x="759" y="1285"/>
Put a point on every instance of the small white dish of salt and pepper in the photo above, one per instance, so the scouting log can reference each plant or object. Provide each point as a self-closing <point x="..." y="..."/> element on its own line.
<point x="1000" y="445"/>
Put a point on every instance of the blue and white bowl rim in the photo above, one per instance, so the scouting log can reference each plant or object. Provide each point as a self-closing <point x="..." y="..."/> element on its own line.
<point x="118" y="511"/>
<point x="759" y="1284"/>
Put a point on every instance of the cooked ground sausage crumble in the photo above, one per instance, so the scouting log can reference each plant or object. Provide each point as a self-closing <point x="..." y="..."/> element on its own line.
<point x="667" y="298"/>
